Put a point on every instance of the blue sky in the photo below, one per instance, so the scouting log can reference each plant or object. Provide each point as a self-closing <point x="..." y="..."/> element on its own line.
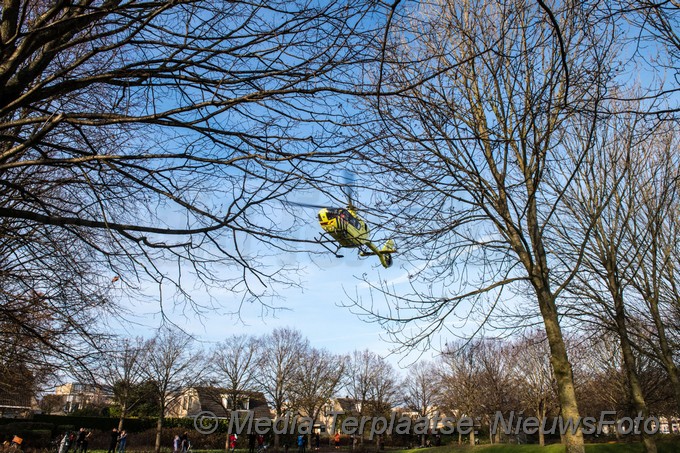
<point x="315" y="308"/>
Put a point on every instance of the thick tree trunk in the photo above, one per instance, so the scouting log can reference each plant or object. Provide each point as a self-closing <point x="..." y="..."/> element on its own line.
<point x="123" y="413"/>
<point x="666" y="353"/>
<point x="637" y="395"/>
<point x="573" y="438"/>
<point x="535" y="261"/>
<point x="673" y="377"/>
<point x="159" y="429"/>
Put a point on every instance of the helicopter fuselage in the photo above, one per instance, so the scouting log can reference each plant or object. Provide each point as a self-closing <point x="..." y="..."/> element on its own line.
<point x="350" y="231"/>
<point x="344" y="227"/>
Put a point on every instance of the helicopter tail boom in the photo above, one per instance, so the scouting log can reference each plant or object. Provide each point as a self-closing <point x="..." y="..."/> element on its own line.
<point x="384" y="253"/>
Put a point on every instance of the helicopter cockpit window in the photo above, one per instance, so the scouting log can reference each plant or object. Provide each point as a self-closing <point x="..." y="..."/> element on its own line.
<point x="345" y="215"/>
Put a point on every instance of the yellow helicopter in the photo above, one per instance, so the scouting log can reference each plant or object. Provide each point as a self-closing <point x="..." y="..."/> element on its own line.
<point x="345" y="226"/>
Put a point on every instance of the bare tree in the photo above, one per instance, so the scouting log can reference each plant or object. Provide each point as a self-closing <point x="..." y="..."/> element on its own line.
<point x="421" y="391"/>
<point x="317" y="378"/>
<point x="476" y="382"/>
<point x="121" y="368"/>
<point x="495" y="371"/>
<point x="478" y="100"/>
<point x="277" y="365"/>
<point x="171" y="364"/>
<point x="654" y="232"/>
<point x="533" y="377"/>
<point x="600" y="372"/>
<point x="650" y="28"/>
<point x="234" y="365"/>
<point x="51" y="300"/>
<point x="371" y="384"/>
<point x="607" y="191"/>
<point x="459" y="381"/>
<point x="159" y="136"/>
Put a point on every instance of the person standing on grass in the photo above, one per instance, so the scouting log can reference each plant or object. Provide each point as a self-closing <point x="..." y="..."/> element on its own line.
<point x="122" y="441"/>
<point x="71" y="441"/>
<point x="79" y="440"/>
<point x="64" y="444"/>
<point x="85" y="442"/>
<point x="184" y="442"/>
<point x="301" y="443"/>
<point x="114" y="441"/>
<point x="251" y="442"/>
<point x="176" y="444"/>
<point x="232" y="442"/>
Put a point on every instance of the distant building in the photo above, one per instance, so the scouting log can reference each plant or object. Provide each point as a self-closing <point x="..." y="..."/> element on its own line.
<point x="17" y="393"/>
<point x="79" y="396"/>
<point x="193" y="400"/>
<point x="18" y="404"/>
<point x="342" y="407"/>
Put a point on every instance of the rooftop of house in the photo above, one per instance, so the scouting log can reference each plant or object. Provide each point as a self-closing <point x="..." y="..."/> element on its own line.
<point x="212" y="399"/>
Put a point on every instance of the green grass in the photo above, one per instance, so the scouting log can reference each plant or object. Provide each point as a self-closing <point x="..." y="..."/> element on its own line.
<point x="502" y="448"/>
<point x="664" y="446"/>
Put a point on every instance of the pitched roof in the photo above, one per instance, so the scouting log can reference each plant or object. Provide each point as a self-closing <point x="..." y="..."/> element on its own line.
<point x="210" y="399"/>
<point x="347" y="404"/>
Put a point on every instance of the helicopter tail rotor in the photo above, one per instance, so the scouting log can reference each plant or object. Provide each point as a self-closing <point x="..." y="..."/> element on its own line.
<point x="389" y="247"/>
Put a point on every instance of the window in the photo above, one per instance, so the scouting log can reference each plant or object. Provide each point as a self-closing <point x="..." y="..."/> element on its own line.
<point x="349" y="218"/>
<point x="242" y="404"/>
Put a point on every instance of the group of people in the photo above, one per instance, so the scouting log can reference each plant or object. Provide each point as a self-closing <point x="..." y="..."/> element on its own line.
<point x="252" y="440"/>
<point x="302" y="442"/>
<point x="79" y="440"/>
<point x="118" y="441"/>
<point x="181" y="444"/>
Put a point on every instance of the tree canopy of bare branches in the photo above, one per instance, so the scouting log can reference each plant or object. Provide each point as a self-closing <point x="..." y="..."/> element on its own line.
<point x="141" y="143"/>
<point x="371" y="384"/>
<point x="472" y="144"/>
<point x="234" y="365"/>
<point x="171" y="364"/>
<point x="278" y="365"/>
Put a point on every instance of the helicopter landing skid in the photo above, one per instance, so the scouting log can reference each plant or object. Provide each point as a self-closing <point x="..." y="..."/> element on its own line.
<point x="324" y="245"/>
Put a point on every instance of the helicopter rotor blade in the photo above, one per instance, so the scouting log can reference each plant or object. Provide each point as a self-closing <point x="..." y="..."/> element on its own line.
<point x="307" y="205"/>
<point x="348" y="188"/>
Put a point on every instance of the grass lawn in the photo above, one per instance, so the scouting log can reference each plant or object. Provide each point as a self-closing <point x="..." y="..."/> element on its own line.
<point x="667" y="445"/>
<point x="664" y="446"/>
